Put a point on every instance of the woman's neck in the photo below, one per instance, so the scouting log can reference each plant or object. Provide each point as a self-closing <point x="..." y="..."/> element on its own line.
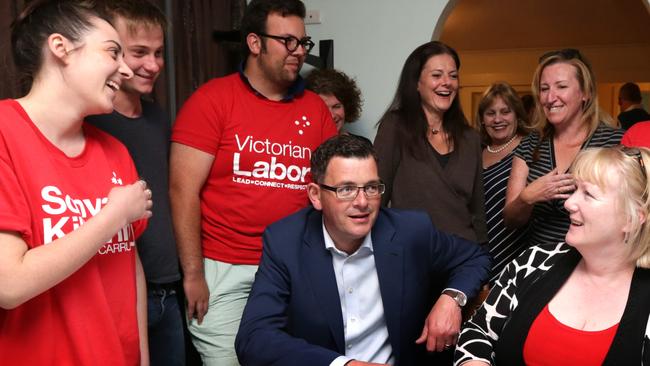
<point x="571" y="133"/>
<point x="434" y="119"/>
<point x="54" y="116"/>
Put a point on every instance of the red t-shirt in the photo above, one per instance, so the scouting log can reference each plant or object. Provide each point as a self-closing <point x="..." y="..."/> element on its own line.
<point x="90" y="317"/>
<point x="638" y="135"/>
<point x="552" y="343"/>
<point x="261" y="169"/>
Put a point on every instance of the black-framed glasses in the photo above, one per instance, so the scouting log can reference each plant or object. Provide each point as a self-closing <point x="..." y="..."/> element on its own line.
<point x="635" y="153"/>
<point x="291" y="43"/>
<point x="350" y="192"/>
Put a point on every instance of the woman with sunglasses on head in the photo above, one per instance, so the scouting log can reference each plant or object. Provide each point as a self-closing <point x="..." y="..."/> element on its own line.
<point x="71" y="285"/>
<point x="428" y="155"/>
<point x="566" y="119"/>
<point x="503" y="123"/>
<point x="584" y="302"/>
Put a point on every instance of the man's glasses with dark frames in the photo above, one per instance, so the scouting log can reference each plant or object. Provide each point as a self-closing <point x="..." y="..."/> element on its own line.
<point x="291" y="43"/>
<point x="350" y="192"/>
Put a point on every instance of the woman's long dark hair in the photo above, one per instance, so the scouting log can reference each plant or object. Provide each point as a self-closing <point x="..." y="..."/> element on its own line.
<point x="407" y="104"/>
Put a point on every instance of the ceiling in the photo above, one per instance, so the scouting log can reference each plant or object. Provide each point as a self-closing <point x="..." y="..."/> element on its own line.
<point x="508" y="24"/>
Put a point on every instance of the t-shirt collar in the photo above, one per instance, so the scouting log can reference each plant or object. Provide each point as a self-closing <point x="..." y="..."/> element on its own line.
<point x="296" y="88"/>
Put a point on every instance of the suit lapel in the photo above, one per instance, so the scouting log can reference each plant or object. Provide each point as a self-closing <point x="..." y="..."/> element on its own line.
<point x="318" y="262"/>
<point x="390" y="271"/>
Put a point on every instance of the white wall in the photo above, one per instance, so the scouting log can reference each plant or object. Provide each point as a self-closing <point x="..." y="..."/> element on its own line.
<point x="372" y="38"/>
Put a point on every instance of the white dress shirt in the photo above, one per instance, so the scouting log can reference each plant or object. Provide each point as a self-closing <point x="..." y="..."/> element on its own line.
<point x="364" y="325"/>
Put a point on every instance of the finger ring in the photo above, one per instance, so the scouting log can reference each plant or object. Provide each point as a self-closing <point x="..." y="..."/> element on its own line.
<point x="447" y="345"/>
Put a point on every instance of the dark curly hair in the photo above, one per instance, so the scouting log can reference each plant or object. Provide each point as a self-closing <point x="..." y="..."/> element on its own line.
<point x="344" y="88"/>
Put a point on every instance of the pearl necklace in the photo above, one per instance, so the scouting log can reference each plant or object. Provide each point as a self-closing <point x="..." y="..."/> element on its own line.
<point x="502" y="147"/>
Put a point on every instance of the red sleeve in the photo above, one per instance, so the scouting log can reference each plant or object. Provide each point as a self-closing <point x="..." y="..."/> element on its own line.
<point x="14" y="210"/>
<point x="627" y="139"/>
<point x="638" y="135"/>
<point x="199" y="122"/>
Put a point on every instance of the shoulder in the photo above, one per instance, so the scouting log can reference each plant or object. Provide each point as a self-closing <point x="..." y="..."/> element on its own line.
<point x="541" y="256"/>
<point x="404" y="219"/>
<point x="389" y="120"/>
<point x="388" y="126"/>
<point x="222" y="87"/>
<point x="606" y="135"/>
<point x="104" y="139"/>
<point x="308" y="96"/>
<point x="527" y="145"/>
<point x="639" y="128"/>
<point x="637" y="135"/>
<point x="471" y="136"/>
<point x="295" y="222"/>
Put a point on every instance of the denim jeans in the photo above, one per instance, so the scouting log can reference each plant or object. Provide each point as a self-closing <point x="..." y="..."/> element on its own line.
<point x="166" y="342"/>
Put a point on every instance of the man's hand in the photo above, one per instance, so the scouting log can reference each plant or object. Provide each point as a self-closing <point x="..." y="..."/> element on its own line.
<point x="197" y="296"/>
<point x="442" y="326"/>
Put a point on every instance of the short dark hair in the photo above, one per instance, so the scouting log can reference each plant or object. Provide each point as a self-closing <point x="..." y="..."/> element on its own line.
<point x="345" y="146"/>
<point x="630" y="92"/>
<point x="343" y="87"/>
<point x="136" y="12"/>
<point x="257" y="12"/>
<point x="41" y="18"/>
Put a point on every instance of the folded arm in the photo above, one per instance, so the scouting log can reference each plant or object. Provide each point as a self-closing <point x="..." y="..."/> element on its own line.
<point x="26" y="273"/>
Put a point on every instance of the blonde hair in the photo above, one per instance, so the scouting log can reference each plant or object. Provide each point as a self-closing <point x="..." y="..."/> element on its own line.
<point x="595" y="165"/>
<point x="591" y="113"/>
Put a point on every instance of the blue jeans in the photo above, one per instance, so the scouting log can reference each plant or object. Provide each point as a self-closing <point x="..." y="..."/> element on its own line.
<point x="166" y="342"/>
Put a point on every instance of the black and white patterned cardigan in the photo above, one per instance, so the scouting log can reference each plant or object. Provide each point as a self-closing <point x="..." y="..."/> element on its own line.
<point x="497" y="332"/>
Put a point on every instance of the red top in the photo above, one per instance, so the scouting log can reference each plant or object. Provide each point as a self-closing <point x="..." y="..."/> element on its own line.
<point x="550" y="342"/>
<point x="637" y="135"/>
<point x="90" y="317"/>
<point x="262" y="150"/>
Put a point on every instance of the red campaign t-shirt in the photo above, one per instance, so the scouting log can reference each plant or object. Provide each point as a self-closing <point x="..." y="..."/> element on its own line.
<point x="552" y="343"/>
<point x="90" y="317"/>
<point x="262" y="150"/>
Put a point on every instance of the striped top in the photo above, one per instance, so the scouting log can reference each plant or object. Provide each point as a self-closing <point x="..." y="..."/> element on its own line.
<point x="549" y="221"/>
<point x="504" y="244"/>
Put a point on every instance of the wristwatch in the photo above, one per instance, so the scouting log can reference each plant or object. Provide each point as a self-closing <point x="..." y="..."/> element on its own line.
<point x="458" y="296"/>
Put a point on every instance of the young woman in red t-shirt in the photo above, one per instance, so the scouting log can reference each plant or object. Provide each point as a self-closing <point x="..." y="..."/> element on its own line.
<point x="71" y="205"/>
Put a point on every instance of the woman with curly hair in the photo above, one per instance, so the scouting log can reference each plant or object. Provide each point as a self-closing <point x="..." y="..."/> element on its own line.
<point x="339" y="92"/>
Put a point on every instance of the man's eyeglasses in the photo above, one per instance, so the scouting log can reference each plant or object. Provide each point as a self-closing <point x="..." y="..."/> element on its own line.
<point x="636" y="153"/>
<point x="292" y="43"/>
<point x="350" y="192"/>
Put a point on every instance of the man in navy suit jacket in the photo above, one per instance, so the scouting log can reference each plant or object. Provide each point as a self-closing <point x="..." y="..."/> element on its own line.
<point x="327" y="293"/>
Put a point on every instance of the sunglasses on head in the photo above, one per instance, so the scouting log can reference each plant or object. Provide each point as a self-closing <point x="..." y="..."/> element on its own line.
<point x="565" y="54"/>
<point x="635" y="153"/>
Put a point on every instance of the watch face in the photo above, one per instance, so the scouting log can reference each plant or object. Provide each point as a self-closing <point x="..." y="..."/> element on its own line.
<point x="462" y="300"/>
